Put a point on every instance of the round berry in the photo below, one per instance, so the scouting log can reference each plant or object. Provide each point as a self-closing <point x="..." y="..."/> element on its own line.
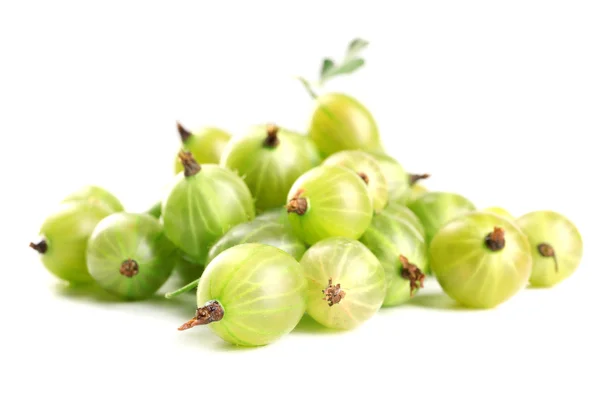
<point x="206" y="145"/>
<point x="368" y="169"/>
<point x="556" y="246"/>
<point x="203" y="203"/>
<point x="63" y="239"/>
<point x="251" y="294"/>
<point x="270" y="159"/>
<point x="435" y="209"/>
<point x="329" y="201"/>
<point x="346" y="283"/>
<point x="403" y="213"/>
<point x="401" y="249"/>
<point x="397" y="179"/>
<point x="480" y="259"/>
<point x="129" y="255"/>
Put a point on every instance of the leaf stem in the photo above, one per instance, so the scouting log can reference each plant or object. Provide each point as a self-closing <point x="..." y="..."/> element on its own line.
<point x="182" y="290"/>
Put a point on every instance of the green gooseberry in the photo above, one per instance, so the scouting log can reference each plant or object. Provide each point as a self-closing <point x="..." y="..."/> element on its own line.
<point x="97" y="195"/>
<point x="340" y="122"/>
<point x="206" y="144"/>
<point x="499" y="211"/>
<point x="251" y="294"/>
<point x="329" y="201"/>
<point x="260" y="230"/>
<point x="345" y="283"/>
<point x="435" y="209"/>
<point x="277" y="214"/>
<point x="403" y="213"/>
<point x="480" y="259"/>
<point x="556" y="246"/>
<point x="202" y="204"/>
<point x="129" y="255"/>
<point x="368" y="169"/>
<point x="269" y="159"/>
<point x="396" y="177"/>
<point x="63" y="239"/>
<point x="402" y="251"/>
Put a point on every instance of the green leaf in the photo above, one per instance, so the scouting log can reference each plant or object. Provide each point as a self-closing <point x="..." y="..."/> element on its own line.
<point x="355" y="47"/>
<point x="351" y="62"/>
<point x="343" y="69"/>
<point x="327" y="65"/>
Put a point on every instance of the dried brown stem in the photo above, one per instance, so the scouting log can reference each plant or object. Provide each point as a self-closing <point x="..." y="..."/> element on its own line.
<point x="129" y="268"/>
<point x="333" y="294"/>
<point x="495" y="240"/>
<point x="210" y="312"/>
<point x="546" y="250"/>
<point x="297" y="204"/>
<point x="184" y="134"/>
<point x="412" y="273"/>
<point x="414" y="178"/>
<point x="190" y="165"/>
<point x="41" y="246"/>
<point x="364" y="177"/>
<point x="271" y="140"/>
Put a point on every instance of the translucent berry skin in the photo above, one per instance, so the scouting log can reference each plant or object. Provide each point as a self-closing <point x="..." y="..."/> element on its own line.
<point x="558" y="231"/>
<point x="395" y="175"/>
<point x="206" y="145"/>
<point x="270" y="171"/>
<point x="360" y="275"/>
<point x="340" y="122"/>
<point x="262" y="291"/>
<point x="367" y="167"/>
<point x="472" y="274"/>
<point x="128" y="236"/>
<point x="96" y="195"/>
<point x="435" y="209"/>
<point x="403" y="213"/>
<point x="338" y="204"/>
<point x="201" y="208"/>
<point x="271" y="232"/>
<point x="499" y="211"/>
<point x="66" y="232"/>
<point x="389" y="237"/>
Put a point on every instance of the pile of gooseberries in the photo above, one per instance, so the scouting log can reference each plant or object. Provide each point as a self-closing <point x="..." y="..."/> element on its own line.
<point x="270" y="225"/>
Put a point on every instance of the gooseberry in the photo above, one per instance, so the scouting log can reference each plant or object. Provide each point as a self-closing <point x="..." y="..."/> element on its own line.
<point x="556" y="246"/>
<point x="97" y="195"/>
<point x="251" y="294"/>
<point x="260" y="230"/>
<point x="269" y="159"/>
<point x="329" y="201"/>
<point x="129" y="255"/>
<point x="415" y="189"/>
<point x="480" y="259"/>
<point x="206" y="145"/>
<point x="346" y="282"/>
<point x="435" y="209"/>
<point x="403" y="213"/>
<point x="499" y="211"/>
<point x="63" y="239"/>
<point x="202" y="204"/>
<point x="395" y="176"/>
<point x="402" y="251"/>
<point x="368" y="169"/>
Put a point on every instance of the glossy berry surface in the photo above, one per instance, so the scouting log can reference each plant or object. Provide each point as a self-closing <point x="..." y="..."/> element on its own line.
<point x="260" y="230"/>
<point x="251" y="295"/>
<point x="205" y="144"/>
<point x="481" y="260"/>
<point x="556" y="246"/>
<point x="269" y="159"/>
<point x="403" y="213"/>
<point x="368" y="169"/>
<point x="346" y="283"/>
<point x="63" y="239"/>
<point x="329" y="201"/>
<point x="435" y="209"/>
<point x="203" y="203"/>
<point x="96" y="195"/>
<point x="395" y="176"/>
<point x="402" y="251"/>
<point x="341" y="122"/>
<point x="129" y="255"/>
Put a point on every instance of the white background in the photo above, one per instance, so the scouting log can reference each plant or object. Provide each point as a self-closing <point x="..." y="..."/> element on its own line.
<point x="499" y="101"/>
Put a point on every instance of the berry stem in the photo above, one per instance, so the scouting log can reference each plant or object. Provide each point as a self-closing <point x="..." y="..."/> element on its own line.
<point x="546" y="250"/>
<point x="184" y="134"/>
<point x="190" y="165"/>
<point x="271" y="140"/>
<point x="183" y="289"/>
<point x="41" y="246"/>
<point x="308" y="87"/>
<point x="333" y="294"/>
<point x="129" y="268"/>
<point x="297" y="204"/>
<point x="412" y="273"/>
<point x="364" y="177"/>
<point x="212" y="311"/>
<point x="414" y="178"/>
<point x="495" y="240"/>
